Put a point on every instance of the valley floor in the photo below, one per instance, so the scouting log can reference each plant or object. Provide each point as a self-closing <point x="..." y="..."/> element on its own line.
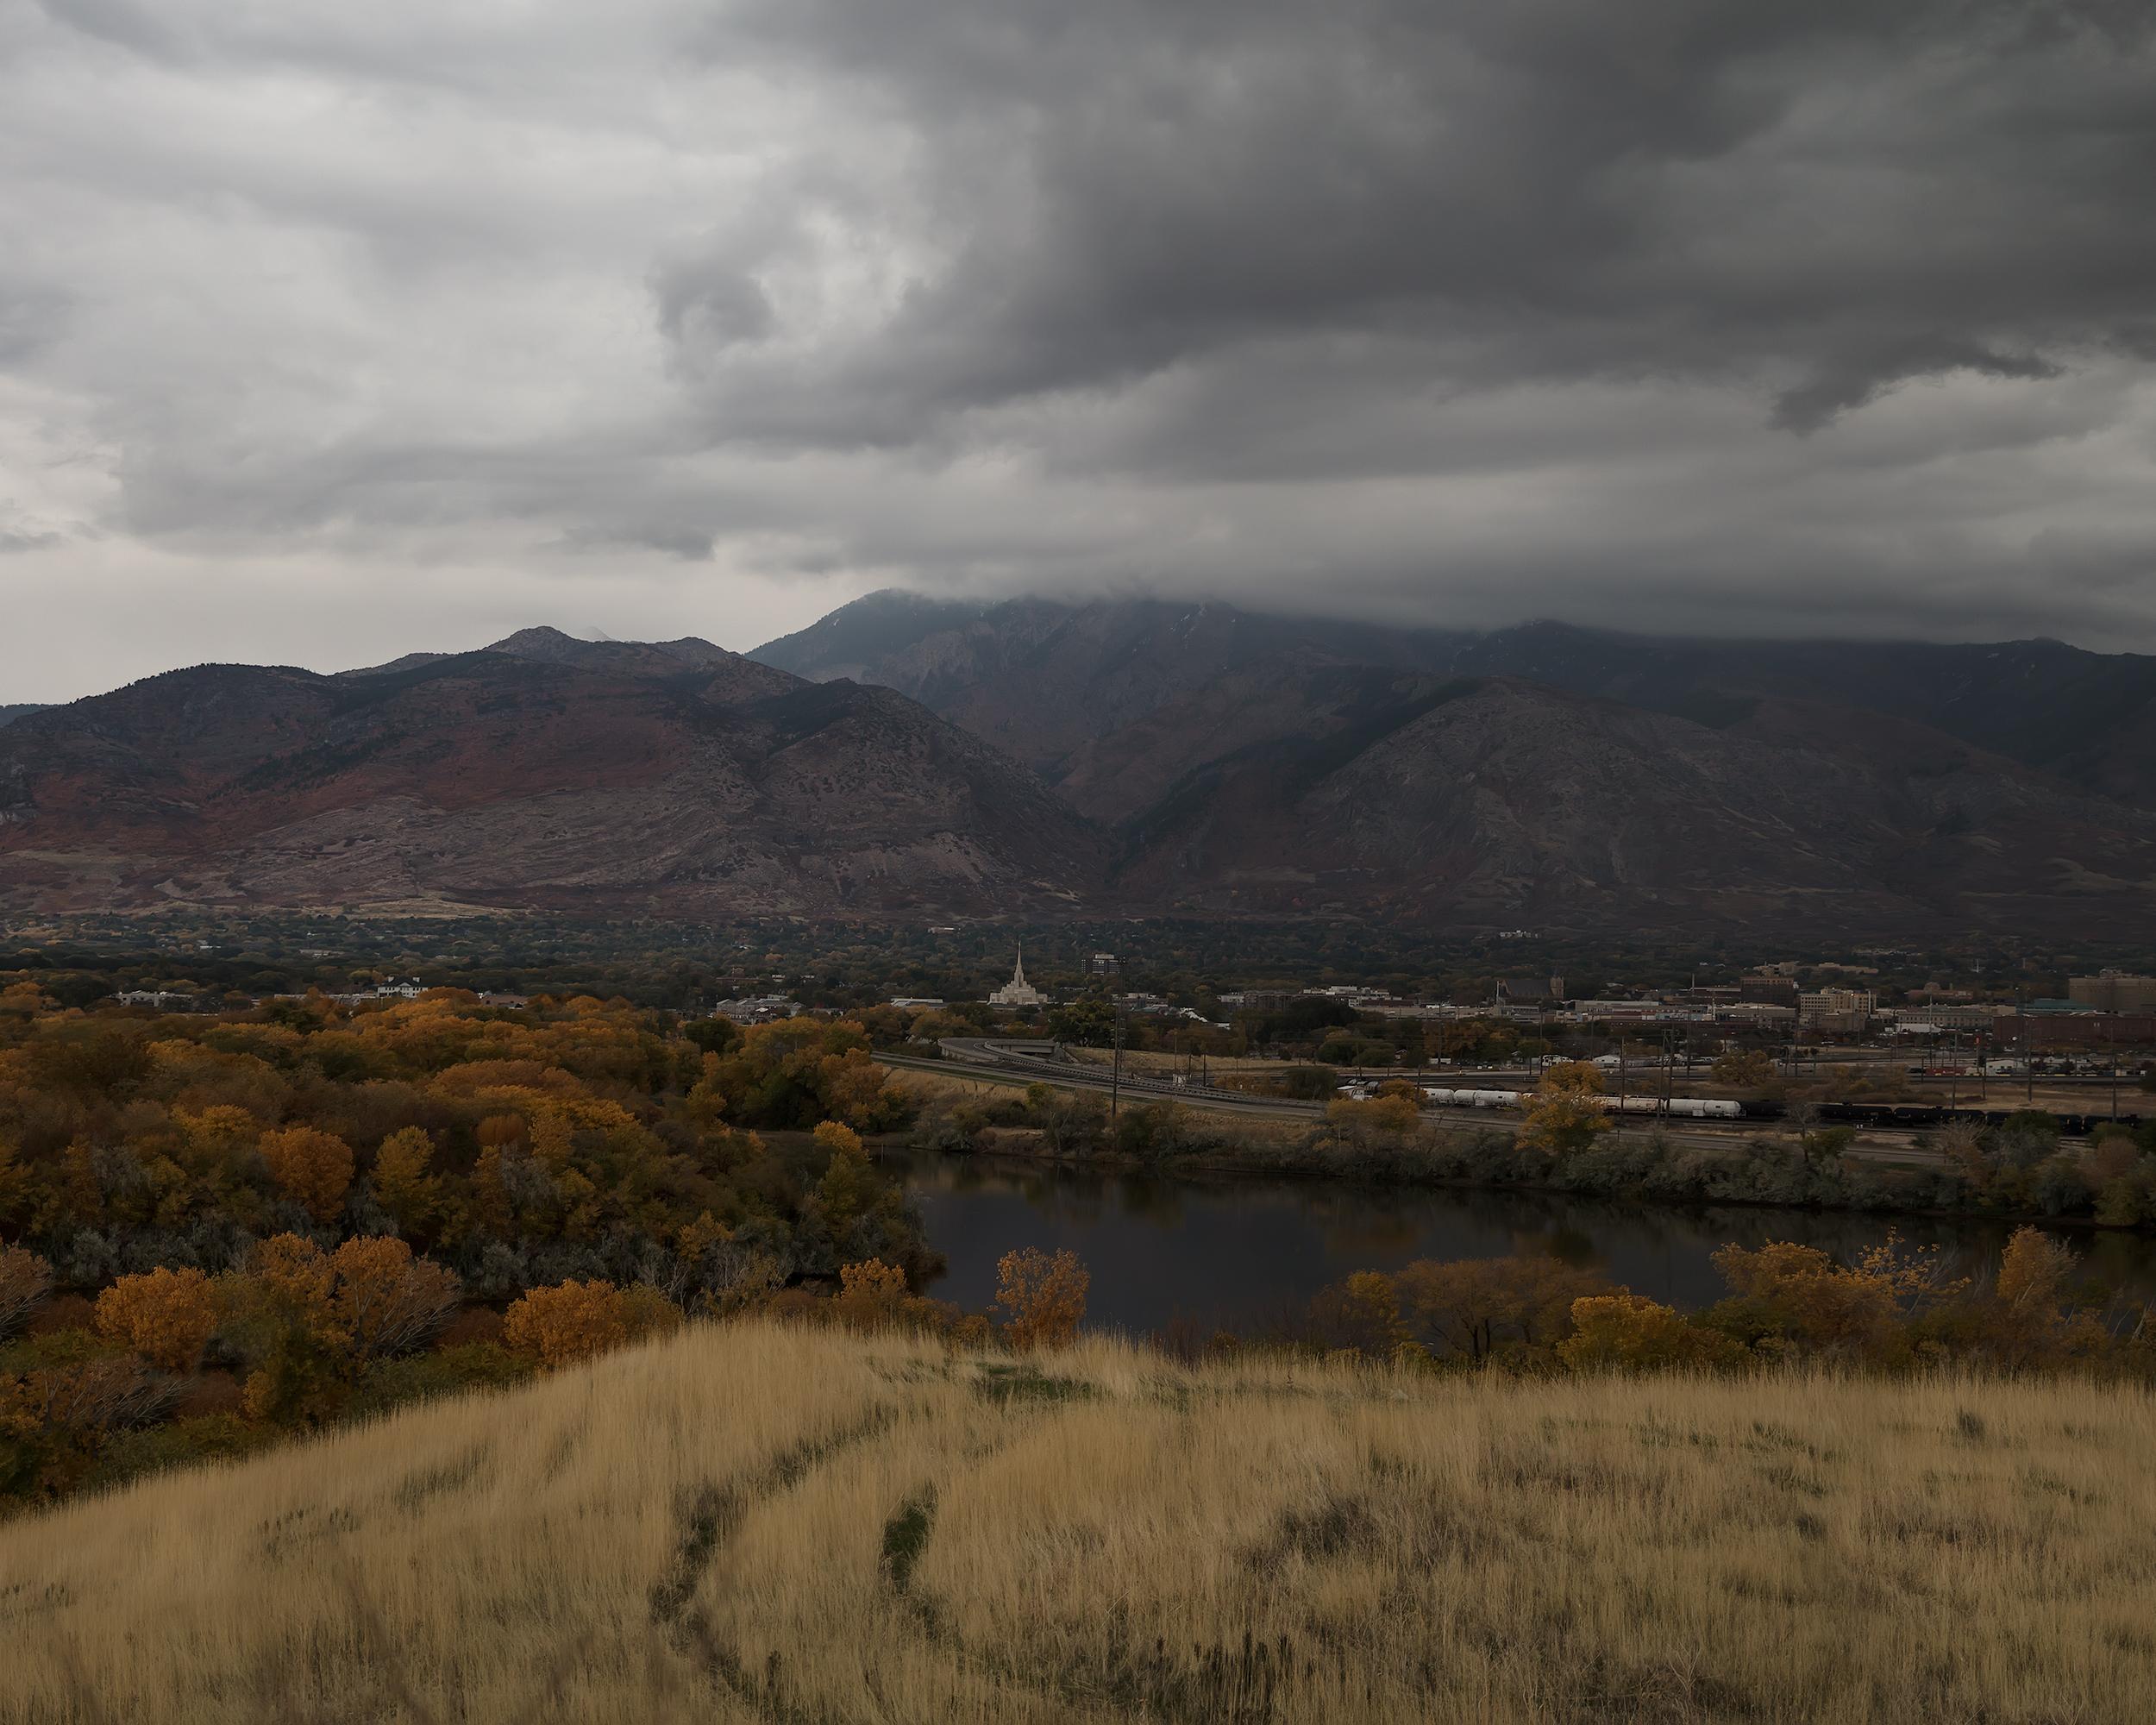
<point x="758" y="1523"/>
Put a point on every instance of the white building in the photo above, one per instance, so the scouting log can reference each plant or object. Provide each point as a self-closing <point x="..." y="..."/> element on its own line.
<point x="1017" y="992"/>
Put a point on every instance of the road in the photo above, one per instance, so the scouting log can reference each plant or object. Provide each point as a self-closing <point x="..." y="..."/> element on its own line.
<point x="1021" y="1062"/>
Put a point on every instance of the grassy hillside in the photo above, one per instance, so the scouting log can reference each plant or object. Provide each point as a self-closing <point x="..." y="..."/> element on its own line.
<point x="758" y="1523"/>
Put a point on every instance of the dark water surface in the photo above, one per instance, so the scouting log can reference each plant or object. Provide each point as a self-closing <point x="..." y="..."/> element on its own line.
<point x="1235" y="1253"/>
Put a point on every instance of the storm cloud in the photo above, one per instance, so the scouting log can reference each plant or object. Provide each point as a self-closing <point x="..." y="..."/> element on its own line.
<point x="330" y="332"/>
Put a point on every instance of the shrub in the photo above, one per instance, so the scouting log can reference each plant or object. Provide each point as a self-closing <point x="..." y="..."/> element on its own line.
<point x="167" y="1316"/>
<point x="1623" y="1332"/>
<point x="446" y="1371"/>
<point x="1042" y="1298"/>
<point x="580" y="1321"/>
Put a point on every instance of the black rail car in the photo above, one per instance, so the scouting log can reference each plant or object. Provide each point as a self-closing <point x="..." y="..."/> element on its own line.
<point x="1925" y="1116"/>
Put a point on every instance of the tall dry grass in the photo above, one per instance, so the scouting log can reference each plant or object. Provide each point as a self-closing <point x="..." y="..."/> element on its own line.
<point x="763" y="1524"/>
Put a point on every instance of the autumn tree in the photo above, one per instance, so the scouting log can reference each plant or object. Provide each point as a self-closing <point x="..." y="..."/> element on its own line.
<point x="580" y="1321"/>
<point x="311" y="1166"/>
<point x="165" y="1315"/>
<point x="1786" y="1297"/>
<point x="403" y="1181"/>
<point x="384" y="1301"/>
<point x="1622" y="1332"/>
<point x="1385" y="1119"/>
<point x="1362" y="1313"/>
<point x="1042" y="1297"/>
<point x="281" y="1322"/>
<point x="2033" y="1271"/>
<point x="1478" y="1307"/>
<point x="1565" y="1115"/>
<point x="870" y="1293"/>
<point x="1745" y="1068"/>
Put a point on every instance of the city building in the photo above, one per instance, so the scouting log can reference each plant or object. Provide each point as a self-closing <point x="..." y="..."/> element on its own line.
<point x="1104" y="964"/>
<point x="757" y="1009"/>
<point x="914" y="1002"/>
<point x="1017" y="992"/>
<point x="1593" y="1012"/>
<point x="2113" y="991"/>
<point x="1839" y="1012"/>
<point x="2116" y="1031"/>
<point x="1524" y="991"/>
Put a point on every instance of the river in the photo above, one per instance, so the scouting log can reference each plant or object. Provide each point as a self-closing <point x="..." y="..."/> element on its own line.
<point x="1235" y="1253"/>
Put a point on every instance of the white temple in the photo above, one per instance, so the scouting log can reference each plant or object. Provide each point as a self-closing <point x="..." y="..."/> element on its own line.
<point x="1017" y="992"/>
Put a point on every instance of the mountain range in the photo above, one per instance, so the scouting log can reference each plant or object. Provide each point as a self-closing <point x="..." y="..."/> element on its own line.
<point x="542" y="772"/>
<point x="905" y="755"/>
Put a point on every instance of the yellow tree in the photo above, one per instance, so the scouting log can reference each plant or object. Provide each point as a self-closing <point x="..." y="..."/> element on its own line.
<point x="165" y="1315"/>
<point x="402" y="1178"/>
<point x="1622" y="1332"/>
<point x="869" y="1293"/>
<point x="311" y="1166"/>
<point x="1044" y="1298"/>
<point x="848" y="1182"/>
<point x="1565" y="1113"/>
<point x="2032" y="1271"/>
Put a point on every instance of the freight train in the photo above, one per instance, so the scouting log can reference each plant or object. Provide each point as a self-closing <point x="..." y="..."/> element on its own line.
<point x="1689" y="1107"/>
<point x="1905" y="1116"/>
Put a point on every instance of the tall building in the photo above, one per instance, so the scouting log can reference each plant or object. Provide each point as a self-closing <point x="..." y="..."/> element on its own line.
<point x="2113" y="991"/>
<point x="1017" y="992"/>
<point x="1847" y="1010"/>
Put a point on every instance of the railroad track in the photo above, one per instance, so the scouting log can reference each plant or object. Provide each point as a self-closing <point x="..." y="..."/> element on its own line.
<point x="1035" y="1063"/>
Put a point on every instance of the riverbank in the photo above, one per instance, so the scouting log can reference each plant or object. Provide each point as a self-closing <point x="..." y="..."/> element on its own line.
<point x="2018" y="1177"/>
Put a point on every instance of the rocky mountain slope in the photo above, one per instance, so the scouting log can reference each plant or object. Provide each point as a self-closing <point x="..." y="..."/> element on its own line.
<point x="608" y="778"/>
<point x="1128" y="757"/>
<point x="1044" y="679"/>
<point x="1487" y="800"/>
<point x="1249" y="763"/>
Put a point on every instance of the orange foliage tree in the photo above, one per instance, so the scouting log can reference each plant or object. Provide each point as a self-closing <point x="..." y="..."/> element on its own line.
<point x="580" y="1321"/>
<point x="311" y="1166"/>
<point x="1042" y="1298"/>
<point x="167" y="1316"/>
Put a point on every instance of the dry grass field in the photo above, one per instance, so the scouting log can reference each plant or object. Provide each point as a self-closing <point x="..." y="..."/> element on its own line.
<point x="758" y="1523"/>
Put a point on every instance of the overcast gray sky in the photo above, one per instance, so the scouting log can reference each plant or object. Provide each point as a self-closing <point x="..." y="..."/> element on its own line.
<point x="332" y="331"/>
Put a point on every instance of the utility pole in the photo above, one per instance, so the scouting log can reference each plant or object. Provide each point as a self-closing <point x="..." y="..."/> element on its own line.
<point x="1115" y="1070"/>
<point x="2029" y="1050"/>
<point x="2111" y="1036"/>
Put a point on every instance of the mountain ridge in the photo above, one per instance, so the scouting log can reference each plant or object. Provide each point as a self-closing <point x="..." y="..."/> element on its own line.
<point x="495" y="780"/>
<point x="1131" y="757"/>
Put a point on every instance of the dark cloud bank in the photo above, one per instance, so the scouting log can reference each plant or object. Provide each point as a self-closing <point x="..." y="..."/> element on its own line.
<point x="328" y="332"/>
